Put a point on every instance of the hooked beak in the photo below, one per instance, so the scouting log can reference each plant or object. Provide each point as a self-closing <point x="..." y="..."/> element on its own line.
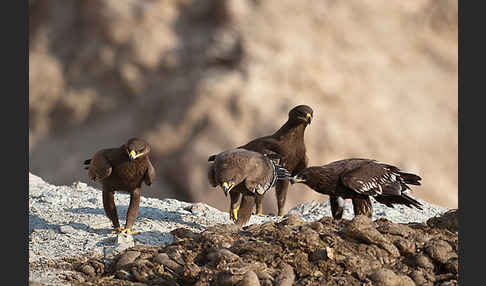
<point x="296" y="179"/>
<point x="227" y="188"/>
<point x="132" y="155"/>
<point x="307" y="118"/>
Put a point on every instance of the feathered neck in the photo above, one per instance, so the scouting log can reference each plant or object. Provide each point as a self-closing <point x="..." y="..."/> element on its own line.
<point x="291" y="130"/>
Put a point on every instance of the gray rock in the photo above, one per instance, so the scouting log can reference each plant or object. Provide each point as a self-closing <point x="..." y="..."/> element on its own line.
<point x="166" y="261"/>
<point x="439" y="250"/>
<point x="361" y="228"/>
<point x="88" y="270"/>
<point x="215" y="257"/>
<point x="125" y="239"/>
<point x="127" y="258"/>
<point x="123" y="275"/>
<point x="67" y="229"/>
<point x="286" y="276"/>
<point x="424" y="262"/>
<point x="386" y="277"/>
<point x="249" y="279"/>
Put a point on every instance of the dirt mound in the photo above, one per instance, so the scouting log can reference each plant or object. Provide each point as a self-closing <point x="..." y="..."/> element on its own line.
<point x="345" y="252"/>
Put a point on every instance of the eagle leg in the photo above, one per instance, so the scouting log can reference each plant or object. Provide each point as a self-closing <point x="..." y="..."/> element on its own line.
<point x="234" y="207"/>
<point x="281" y="193"/>
<point x="132" y="210"/>
<point x="110" y="208"/>
<point x="363" y="206"/>
<point x="337" y="207"/>
<point x="259" y="205"/>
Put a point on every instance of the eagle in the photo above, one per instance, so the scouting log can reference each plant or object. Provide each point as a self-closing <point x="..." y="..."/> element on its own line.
<point x="288" y="143"/>
<point x="122" y="169"/>
<point x="246" y="172"/>
<point x="359" y="179"/>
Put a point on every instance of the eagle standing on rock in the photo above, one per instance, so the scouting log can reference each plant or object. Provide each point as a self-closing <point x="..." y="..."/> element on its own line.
<point x="245" y="172"/>
<point x="358" y="179"/>
<point x="122" y="169"/>
<point x="288" y="143"/>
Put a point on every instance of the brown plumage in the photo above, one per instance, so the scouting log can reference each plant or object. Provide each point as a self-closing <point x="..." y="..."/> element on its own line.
<point x="245" y="172"/>
<point x="122" y="169"/>
<point x="288" y="143"/>
<point x="358" y="179"/>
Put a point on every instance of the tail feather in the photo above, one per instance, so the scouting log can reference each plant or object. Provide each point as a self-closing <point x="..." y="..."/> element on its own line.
<point x="411" y="179"/>
<point x="404" y="199"/>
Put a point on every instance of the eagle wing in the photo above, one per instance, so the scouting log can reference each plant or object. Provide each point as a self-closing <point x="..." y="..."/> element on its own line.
<point x="372" y="178"/>
<point x="262" y="177"/>
<point x="265" y="145"/>
<point x="99" y="166"/>
<point x="211" y="175"/>
<point x="149" y="174"/>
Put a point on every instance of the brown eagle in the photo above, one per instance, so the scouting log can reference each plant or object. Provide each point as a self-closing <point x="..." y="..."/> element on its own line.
<point x="358" y="179"/>
<point x="245" y="172"/>
<point x="122" y="169"/>
<point x="288" y="143"/>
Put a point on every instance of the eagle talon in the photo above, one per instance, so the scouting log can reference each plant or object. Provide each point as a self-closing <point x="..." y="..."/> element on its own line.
<point x="262" y="215"/>
<point x="234" y="214"/>
<point x="128" y="231"/>
<point x="116" y="230"/>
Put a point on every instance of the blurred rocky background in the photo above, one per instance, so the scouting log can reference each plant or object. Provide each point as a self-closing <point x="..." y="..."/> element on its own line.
<point x="197" y="77"/>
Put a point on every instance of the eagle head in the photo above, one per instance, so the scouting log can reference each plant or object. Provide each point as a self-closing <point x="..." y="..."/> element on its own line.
<point x="136" y="148"/>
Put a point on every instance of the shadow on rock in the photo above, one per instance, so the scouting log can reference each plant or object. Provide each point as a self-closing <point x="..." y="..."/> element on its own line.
<point x="150" y="213"/>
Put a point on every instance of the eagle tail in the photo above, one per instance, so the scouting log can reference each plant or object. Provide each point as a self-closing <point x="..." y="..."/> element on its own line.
<point x="404" y="199"/>
<point x="211" y="177"/>
<point x="87" y="162"/>
<point x="411" y="179"/>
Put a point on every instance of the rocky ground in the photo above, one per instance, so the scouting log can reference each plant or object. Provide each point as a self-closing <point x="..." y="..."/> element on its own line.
<point x="181" y="243"/>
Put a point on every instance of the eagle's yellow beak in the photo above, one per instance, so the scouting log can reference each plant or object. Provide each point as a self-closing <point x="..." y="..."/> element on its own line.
<point x="296" y="179"/>
<point x="133" y="155"/>
<point x="227" y="187"/>
<point x="307" y="118"/>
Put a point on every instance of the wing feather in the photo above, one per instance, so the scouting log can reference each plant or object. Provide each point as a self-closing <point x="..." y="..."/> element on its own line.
<point x="211" y="175"/>
<point x="374" y="179"/>
<point x="99" y="167"/>
<point x="149" y="174"/>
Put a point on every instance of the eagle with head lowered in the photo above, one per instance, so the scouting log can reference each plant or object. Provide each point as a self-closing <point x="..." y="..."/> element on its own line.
<point x="122" y="169"/>
<point x="360" y="179"/>
<point x="246" y="172"/>
<point x="288" y="143"/>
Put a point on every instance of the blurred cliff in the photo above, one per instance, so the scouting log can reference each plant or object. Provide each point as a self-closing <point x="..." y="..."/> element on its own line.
<point x="197" y="77"/>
